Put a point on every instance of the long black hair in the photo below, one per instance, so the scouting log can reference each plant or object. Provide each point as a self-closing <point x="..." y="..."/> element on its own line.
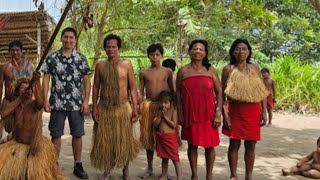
<point x="205" y="61"/>
<point x="233" y="47"/>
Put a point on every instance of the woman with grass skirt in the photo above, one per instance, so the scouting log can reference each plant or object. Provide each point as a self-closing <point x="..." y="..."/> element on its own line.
<point x="244" y="105"/>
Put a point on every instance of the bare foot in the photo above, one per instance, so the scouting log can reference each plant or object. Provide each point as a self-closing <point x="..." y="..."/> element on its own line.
<point x="104" y="176"/>
<point x="233" y="178"/>
<point x="163" y="178"/>
<point x="170" y="177"/>
<point x="125" y="173"/>
<point x="147" y="174"/>
<point x="284" y="173"/>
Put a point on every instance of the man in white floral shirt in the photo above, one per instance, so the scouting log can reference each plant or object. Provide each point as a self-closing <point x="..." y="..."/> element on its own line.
<point x="69" y="71"/>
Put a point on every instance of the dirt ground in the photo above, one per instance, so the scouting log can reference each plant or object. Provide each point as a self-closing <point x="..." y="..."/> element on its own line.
<point x="291" y="136"/>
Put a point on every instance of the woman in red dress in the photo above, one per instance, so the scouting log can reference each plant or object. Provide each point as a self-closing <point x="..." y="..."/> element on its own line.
<point x="199" y="101"/>
<point x="245" y="105"/>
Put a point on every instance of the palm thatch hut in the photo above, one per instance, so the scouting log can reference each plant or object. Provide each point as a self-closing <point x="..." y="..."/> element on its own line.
<point x="32" y="28"/>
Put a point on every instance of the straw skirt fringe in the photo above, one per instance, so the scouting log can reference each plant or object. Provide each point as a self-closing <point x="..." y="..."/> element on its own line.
<point x="149" y="110"/>
<point x="16" y="163"/>
<point x="8" y="121"/>
<point x="245" y="87"/>
<point x="113" y="142"/>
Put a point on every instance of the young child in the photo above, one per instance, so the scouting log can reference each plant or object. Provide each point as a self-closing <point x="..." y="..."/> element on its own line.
<point x="166" y="139"/>
<point x="310" y="170"/>
<point x="170" y="63"/>
<point x="153" y="80"/>
<point x="29" y="155"/>
<point x="271" y="86"/>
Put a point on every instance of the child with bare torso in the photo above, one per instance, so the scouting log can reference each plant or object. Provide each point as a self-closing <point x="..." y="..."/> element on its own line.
<point x="304" y="167"/>
<point x="153" y="80"/>
<point x="166" y="139"/>
<point x="271" y="87"/>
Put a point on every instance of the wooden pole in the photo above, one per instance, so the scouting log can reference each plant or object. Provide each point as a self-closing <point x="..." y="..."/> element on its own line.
<point x="55" y="32"/>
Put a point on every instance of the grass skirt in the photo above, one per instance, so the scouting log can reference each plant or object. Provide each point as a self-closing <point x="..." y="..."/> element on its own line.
<point x="246" y="87"/>
<point x="17" y="163"/>
<point x="113" y="142"/>
<point x="149" y="110"/>
<point x="8" y="121"/>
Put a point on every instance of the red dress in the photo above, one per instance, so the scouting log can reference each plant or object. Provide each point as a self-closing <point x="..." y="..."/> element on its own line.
<point x="245" y="121"/>
<point x="198" y="103"/>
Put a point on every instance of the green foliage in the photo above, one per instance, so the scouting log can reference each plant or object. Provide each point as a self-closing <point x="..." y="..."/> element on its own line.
<point x="275" y="29"/>
<point x="297" y="83"/>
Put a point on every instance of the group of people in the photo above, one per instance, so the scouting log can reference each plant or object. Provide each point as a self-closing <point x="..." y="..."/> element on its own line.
<point x="196" y="99"/>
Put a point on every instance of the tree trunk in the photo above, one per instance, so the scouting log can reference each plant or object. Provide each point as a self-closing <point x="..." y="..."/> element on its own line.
<point x="100" y="34"/>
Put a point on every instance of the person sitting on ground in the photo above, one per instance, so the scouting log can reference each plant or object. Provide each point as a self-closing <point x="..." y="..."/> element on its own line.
<point x="166" y="139"/>
<point x="29" y="155"/>
<point x="306" y="168"/>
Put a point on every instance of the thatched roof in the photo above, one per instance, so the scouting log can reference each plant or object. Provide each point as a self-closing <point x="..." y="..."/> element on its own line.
<point x="23" y="26"/>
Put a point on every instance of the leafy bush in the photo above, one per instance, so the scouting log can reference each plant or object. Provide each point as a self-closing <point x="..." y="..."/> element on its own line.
<point x="298" y="83"/>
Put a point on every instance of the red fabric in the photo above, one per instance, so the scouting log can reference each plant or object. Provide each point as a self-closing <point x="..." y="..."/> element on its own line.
<point x="270" y="102"/>
<point x="198" y="102"/>
<point x="167" y="146"/>
<point x="245" y="121"/>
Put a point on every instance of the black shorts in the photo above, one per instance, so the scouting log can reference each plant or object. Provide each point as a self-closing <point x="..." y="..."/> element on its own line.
<point x="57" y="119"/>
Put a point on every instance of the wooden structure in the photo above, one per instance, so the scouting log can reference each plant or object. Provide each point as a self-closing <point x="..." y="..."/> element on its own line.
<point x="32" y="28"/>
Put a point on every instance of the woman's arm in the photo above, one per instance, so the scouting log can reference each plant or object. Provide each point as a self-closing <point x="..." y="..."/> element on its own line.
<point x="218" y="95"/>
<point x="224" y="78"/>
<point x="178" y="96"/>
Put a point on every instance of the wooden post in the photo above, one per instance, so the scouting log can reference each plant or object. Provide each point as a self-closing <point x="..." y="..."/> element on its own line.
<point x="38" y="40"/>
<point x="55" y="32"/>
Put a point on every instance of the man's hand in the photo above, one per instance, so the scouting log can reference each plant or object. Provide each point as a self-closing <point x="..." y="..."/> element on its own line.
<point x="47" y="106"/>
<point x="84" y="108"/>
<point x="27" y="94"/>
<point x="135" y="115"/>
<point x="36" y="76"/>
<point x="95" y="114"/>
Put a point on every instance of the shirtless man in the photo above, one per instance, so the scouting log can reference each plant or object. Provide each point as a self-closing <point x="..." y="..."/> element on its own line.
<point x="271" y="87"/>
<point x="113" y="142"/>
<point x="153" y="80"/>
<point x="16" y="68"/>
<point x="29" y="154"/>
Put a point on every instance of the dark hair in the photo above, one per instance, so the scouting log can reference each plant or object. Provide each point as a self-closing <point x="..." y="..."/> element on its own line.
<point x="233" y="47"/>
<point x="265" y="70"/>
<point x="205" y="61"/>
<point x="166" y="95"/>
<point x="69" y="29"/>
<point x="169" y="63"/>
<point x="154" y="47"/>
<point x="16" y="43"/>
<point x="318" y="142"/>
<point x="112" y="36"/>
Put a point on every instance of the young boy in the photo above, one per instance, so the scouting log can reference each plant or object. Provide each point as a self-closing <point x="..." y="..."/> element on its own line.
<point x="170" y="63"/>
<point x="310" y="170"/>
<point x="166" y="138"/>
<point x="153" y="80"/>
<point x="271" y="86"/>
<point x="29" y="155"/>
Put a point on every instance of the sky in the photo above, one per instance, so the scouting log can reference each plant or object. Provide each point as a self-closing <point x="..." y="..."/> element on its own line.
<point x="53" y="7"/>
